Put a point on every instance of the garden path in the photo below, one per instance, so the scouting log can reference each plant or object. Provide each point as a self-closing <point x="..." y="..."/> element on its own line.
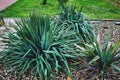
<point x="5" y="3"/>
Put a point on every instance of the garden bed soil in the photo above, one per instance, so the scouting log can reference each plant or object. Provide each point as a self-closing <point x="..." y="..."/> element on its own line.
<point x="103" y="28"/>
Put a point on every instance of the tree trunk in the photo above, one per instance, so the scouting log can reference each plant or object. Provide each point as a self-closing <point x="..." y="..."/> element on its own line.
<point x="44" y="2"/>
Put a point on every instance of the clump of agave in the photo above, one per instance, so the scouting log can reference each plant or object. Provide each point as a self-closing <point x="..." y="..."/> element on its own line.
<point x="70" y="16"/>
<point x="40" y="47"/>
<point x="102" y="56"/>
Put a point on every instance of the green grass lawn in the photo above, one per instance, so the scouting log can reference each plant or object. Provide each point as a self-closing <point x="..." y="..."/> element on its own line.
<point x="94" y="9"/>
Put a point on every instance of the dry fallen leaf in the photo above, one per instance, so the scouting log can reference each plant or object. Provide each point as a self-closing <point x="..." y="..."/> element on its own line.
<point x="69" y="78"/>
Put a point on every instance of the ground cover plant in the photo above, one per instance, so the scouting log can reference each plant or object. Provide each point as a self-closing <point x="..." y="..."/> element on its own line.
<point x="99" y="9"/>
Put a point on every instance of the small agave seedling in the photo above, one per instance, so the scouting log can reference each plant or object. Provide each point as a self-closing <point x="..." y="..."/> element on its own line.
<point x="1" y="20"/>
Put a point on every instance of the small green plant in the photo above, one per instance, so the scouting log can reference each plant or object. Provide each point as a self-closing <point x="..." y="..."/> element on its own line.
<point x="74" y="18"/>
<point x="1" y="20"/>
<point x="103" y="57"/>
<point x="40" y="47"/>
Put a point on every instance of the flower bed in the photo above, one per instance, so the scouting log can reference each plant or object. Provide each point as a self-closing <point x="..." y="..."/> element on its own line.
<point x="102" y="28"/>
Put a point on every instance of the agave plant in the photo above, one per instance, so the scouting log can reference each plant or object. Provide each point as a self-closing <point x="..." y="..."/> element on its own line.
<point x="40" y="47"/>
<point x="70" y="16"/>
<point x="103" y="56"/>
